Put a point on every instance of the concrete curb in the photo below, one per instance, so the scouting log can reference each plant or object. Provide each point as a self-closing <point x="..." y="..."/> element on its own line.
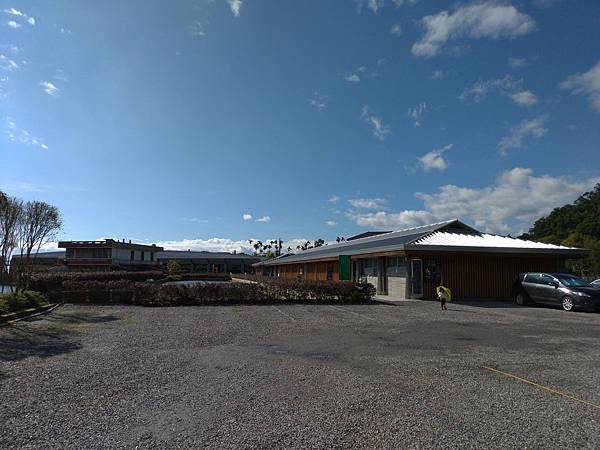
<point x="241" y="280"/>
<point x="27" y="313"/>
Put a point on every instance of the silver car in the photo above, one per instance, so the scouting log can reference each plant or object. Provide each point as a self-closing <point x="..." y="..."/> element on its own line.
<point x="557" y="289"/>
<point x="596" y="283"/>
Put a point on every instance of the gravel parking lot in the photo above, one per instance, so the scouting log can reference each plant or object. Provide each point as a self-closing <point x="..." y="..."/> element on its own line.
<point x="405" y="376"/>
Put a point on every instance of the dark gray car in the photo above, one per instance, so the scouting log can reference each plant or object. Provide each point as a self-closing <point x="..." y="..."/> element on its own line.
<point x="556" y="289"/>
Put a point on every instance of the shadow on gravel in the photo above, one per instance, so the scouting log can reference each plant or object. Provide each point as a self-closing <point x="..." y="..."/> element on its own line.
<point x="80" y="318"/>
<point x="18" y="342"/>
<point x="487" y="304"/>
<point x="45" y="336"/>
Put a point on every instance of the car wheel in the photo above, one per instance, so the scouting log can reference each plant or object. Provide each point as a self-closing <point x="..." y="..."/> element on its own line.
<point x="567" y="303"/>
<point x="520" y="299"/>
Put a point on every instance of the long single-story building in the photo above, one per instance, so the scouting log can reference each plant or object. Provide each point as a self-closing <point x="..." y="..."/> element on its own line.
<point x="410" y="263"/>
<point x="222" y="262"/>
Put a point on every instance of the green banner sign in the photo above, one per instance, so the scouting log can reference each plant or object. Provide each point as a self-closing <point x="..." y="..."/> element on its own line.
<point x="345" y="267"/>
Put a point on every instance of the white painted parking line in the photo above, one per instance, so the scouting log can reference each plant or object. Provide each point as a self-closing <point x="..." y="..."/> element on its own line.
<point x="352" y="312"/>
<point x="285" y="314"/>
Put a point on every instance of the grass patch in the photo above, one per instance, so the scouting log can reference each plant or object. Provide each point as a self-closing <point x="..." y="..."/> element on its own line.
<point x="19" y="301"/>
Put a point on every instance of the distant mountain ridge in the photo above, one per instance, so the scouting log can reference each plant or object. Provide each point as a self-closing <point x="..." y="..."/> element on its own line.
<point x="575" y="225"/>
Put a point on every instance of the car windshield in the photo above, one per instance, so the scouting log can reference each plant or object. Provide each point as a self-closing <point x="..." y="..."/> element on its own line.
<point x="571" y="281"/>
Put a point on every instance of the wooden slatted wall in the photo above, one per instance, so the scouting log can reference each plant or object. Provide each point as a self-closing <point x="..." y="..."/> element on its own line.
<point x="483" y="276"/>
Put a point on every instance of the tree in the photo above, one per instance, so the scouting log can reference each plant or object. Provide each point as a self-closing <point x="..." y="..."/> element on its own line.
<point x="575" y="225"/>
<point x="173" y="267"/>
<point x="11" y="210"/>
<point x="39" y="223"/>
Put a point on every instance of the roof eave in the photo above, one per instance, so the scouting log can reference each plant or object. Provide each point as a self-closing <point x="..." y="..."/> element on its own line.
<point x="520" y="250"/>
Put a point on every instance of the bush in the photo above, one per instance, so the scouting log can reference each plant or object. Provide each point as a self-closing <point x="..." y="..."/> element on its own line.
<point x="171" y="278"/>
<point x="47" y="282"/>
<point x="18" y="301"/>
<point x="267" y="291"/>
<point x="173" y="267"/>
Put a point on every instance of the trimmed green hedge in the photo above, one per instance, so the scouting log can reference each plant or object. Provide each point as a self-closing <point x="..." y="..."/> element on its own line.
<point x="18" y="301"/>
<point x="47" y="282"/>
<point x="265" y="292"/>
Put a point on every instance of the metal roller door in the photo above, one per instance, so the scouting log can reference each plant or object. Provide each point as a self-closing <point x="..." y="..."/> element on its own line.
<point x="396" y="276"/>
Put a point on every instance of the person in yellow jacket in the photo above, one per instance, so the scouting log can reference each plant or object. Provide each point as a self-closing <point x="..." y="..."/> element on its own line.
<point x="444" y="296"/>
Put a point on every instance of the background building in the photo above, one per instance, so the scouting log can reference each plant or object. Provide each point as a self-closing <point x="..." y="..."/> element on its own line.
<point x="43" y="261"/>
<point x="208" y="261"/>
<point x="109" y="254"/>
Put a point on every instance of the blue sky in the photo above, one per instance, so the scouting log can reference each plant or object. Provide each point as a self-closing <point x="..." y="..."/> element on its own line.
<point x="204" y="123"/>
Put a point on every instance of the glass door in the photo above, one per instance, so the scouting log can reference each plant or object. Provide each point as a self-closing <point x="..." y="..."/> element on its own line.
<point x="416" y="278"/>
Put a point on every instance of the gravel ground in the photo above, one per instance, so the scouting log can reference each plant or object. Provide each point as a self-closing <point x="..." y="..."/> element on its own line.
<point x="405" y="376"/>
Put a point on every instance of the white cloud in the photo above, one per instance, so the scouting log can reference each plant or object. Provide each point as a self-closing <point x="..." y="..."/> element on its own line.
<point x="517" y="63"/>
<point x="586" y="83"/>
<point x="319" y="101"/>
<point x="264" y="219"/>
<point x="50" y="88"/>
<point x="208" y="245"/>
<point x="416" y="113"/>
<point x="361" y="72"/>
<point x="235" y="6"/>
<point x="7" y="64"/>
<point x="247" y="217"/>
<point x="355" y="75"/>
<point x="16" y="134"/>
<point x="14" y="12"/>
<point x="194" y="220"/>
<point x="488" y="19"/>
<point x="533" y="128"/>
<point x="367" y="203"/>
<point x="399" y="3"/>
<point x="396" y="30"/>
<point x="380" y="129"/>
<point x="434" y="160"/>
<point x="514" y="201"/>
<point x="439" y="74"/>
<point x="334" y="199"/>
<point x="524" y="98"/>
<point x="60" y="75"/>
<point x="216" y="244"/>
<point x="376" y="5"/>
<point x="62" y="30"/>
<point x="197" y="29"/>
<point x="399" y="220"/>
<point x="373" y="5"/>
<point x="506" y="86"/>
<point x="331" y="223"/>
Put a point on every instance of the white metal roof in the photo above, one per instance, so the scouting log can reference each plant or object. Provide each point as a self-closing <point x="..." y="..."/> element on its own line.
<point x="451" y="235"/>
<point x="482" y="240"/>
